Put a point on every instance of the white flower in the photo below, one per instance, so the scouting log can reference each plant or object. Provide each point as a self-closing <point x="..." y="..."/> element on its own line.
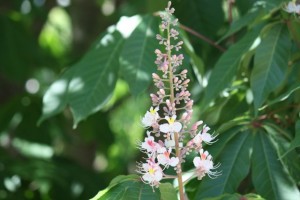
<point x="202" y="136"/>
<point x="292" y="8"/>
<point x="204" y="165"/>
<point x="164" y="158"/>
<point x="172" y="126"/>
<point x="205" y="136"/>
<point x="152" y="173"/>
<point x="150" y="117"/>
<point x="150" y="145"/>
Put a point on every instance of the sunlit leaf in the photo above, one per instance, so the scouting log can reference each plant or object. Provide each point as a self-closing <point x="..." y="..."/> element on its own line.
<point x="270" y="63"/>
<point x="226" y="67"/>
<point x="132" y="188"/>
<point x="235" y="166"/>
<point x="137" y="58"/>
<point x="89" y="84"/>
<point x="269" y="177"/>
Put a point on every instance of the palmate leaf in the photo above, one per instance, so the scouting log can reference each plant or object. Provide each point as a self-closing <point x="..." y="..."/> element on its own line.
<point x="235" y="166"/>
<point x="269" y="177"/>
<point x="87" y="85"/>
<point x="137" y="58"/>
<point x="132" y="188"/>
<point x="226" y="67"/>
<point x="270" y="63"/>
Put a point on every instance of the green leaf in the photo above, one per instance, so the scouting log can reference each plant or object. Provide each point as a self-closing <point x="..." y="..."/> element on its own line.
<point x="132" y="188"/>
<point x="167" y="191"/>
<point x="236" y="197"/>
<point x="196" y="61"/>
<point x="296" y="141"/>
<point x="226" y="67"/>
<point x="88" y="85"/>
<point x="294" y="28"/>
<point x="245" y="20"/>
<point x="235" y="166"/>
<point x="270" y="63"/>
<point x="199" y="17"/>
<point x="269" y="177"/>
<point x="284" y="96"/>
<point x="137" y="58"/>
<point x="289" y="158"/>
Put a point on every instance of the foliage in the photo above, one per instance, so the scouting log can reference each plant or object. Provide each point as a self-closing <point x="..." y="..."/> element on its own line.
<point x="249" y="93"/>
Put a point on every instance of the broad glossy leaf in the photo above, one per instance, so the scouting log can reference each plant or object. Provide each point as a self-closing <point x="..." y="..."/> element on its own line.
<point x="132" y="188"/>
<point x="87" y="85"/>
<point x="270" y="63"/>
<point x="235" y="166"/>
<point x="269" y="177"/>
<point x="226" y="67"/>
<point x="137" y="58"/>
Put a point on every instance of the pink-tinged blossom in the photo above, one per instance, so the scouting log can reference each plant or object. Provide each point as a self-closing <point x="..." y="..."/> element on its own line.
<point x="173" y="99"/>
<point x="204" y="165"/>
<point x="150" y="117"/>
<point x="172" y="126"/>
<point x="149" y="144"/>
<point x="152" y="173"/>
<point x="164" y="158"/>
<point x="205" y="136"/>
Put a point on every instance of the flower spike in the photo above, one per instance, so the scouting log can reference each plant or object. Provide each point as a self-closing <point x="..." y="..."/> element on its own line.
<point x="173" y="101"/>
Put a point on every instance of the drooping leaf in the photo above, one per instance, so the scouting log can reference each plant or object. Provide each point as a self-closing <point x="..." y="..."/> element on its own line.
<point x="235" y="166"/>
<point x="270" y="63"/>
<point x="137" y="58"/>
<point x="87" y="85"/>
<point x="269" y="177"/>
<point x="132" y="188"/>
<point x="226" y="67"/>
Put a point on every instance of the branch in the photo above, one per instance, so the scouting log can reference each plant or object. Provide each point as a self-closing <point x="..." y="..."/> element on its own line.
<point x="202" y="37"/>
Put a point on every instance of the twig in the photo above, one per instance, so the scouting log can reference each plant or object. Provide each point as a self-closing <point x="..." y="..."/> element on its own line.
<point x="206" y="39"/>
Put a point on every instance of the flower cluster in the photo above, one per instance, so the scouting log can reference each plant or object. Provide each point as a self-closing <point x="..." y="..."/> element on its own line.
<point x="292" y="7"/>
<point x="171" y="136"/>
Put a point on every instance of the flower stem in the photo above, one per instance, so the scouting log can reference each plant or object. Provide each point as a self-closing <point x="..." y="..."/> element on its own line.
<point x="179" y="173"/>
<point x="172" y="98"/>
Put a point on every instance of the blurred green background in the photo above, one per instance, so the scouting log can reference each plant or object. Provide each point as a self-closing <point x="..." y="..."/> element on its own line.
<point x="39" y="39"/>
